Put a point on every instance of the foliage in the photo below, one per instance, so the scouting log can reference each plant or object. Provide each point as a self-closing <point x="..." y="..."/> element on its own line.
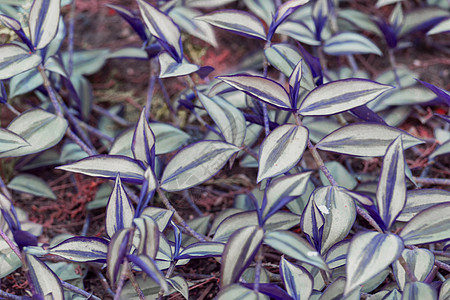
<point x="335" y="235"/>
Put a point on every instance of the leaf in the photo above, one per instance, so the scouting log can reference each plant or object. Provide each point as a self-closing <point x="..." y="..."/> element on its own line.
<point x="444" y="292"/>
<point x="428" y="226"/>
<point x="263" y="9"/>
<point x="294" y="246"/>
<point x="442" y="149"/>
<point x="10" y="141"/>
<point x="348" y="43"/>
<point x="160" y="215"/>
<point x="148" y="265"/>
<point x="39" y="128"/>
<point x="261" y="88"/>
<point x="195" y="164"/>
<point x="119" y="211"/>
<point x="180" y="284"/>
<point x="228" y="118"/>
<point x="171" y="68"/>
<point x="297" y="280"/>
<point x="202" y="250"/>
<point x="238" y="292"/>
<point x="419" y="200"/>
<point x="288" y="8"/>
<point x="370" y="253"/>
<point x="312" y="222"/>
<point x="45" y="282"/>
<point x="281" y="150"/>
<point x="108" y="166"/>
<point x="391" y="190"/>
<point x="335" y="290"/>
<point x="282" y="190"/>
<point x="86" y="62"/>
<point x="419" y="261"/>
<point x="185" y="18"/>
<point x="339" y="96"/>
<point x="363" y="139"/>
<point x="148" y="232"/>
<point x="43" y="22"/>
<point x="419" y="290"/>
<point x="143" y="145"/>
<point x="239" y="252"/>
<point x="381" y="3"/>
<point x="81" y="249"/>
<point x="339" y="213"/>
<point x="337" y="255"/>
<point x="25" y="82"/>
<point x="340" y="174"/>
<point x="15" y="60"/>
<point x="422" y="18"/>
<point x="236" y="21"/>
<point x="117" y="251"/>
<point x="8" y="258"/>
<point x="441" y="27"/>
<point x="31" y="184"/>
<point x="163" y="28"/>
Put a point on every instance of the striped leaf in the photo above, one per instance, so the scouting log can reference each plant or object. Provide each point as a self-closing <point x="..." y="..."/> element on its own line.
<point x="297" y="280"/>
<point x="236" y="21"/>
<point x="261" y="88"/>
<point x="81" y="249"/>
<point x="419" y="261"/>
<point x="391" y="191"/>
<point x="10" y="141"/>
<point x="148" y="233"/>
<point x="39" y="128"/>
<point x="346" y="43"/>
<point x="337" y="255"/>
<point x="283" y="190"/>
<point x="119" y="211"/>
<point x="180" y="285"/>
<point x="444" y="292"/>
<point x="370" y="253"/>
<point x="228" y="118"/>
<point x="312" y="222"/>
<point x="335" y="290"/>
<point x="169" y="67"/>
<point x="31" y="184"/>
<point x="429" y="226"/>
<point x="143" y="145"/>
<point x="43" y="22"/>
<point x="202" y="250"/>
<point x="281" y="150"/>
<point x="239" y="252"/>
<point x="161" y="216"/>
<point x="45" y="282"/>
<point x="340" y="95"/>
<point x="237" y="291"/>
<point x="163" y="28"/>
<point x="148" y="265"/>
<point x="441" y="27"/>
<point x="287" y="8"/>
<point x="419" y="291"/>
<point x="419" y="200"/>
<point x="195" y="164"/>
<point x="117" y="251"/>
<point x="294" y="246"/>
<point x="365" y="139"/>
<point x="108" y="166"/>
<point x="8" y="258"/>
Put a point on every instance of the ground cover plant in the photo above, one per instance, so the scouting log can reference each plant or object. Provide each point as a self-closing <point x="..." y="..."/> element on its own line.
<point x="228" y="149"/>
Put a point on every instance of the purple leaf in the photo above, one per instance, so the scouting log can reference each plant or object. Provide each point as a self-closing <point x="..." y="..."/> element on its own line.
<point x="148" y="265"/>
<point x="366" y="114"/>
<point x="131" y="19"/>
<point x="24" y="239"/>
<point x="441" y="93"/>
<point x="270" y="289"/>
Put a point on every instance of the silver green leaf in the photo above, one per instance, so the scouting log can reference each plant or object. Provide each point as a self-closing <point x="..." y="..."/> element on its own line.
<point x="340" y="95"/>
<point x="25" y="82"/>
<point x="391" y="191"/>
<point x="15" y="60"/>
<point x="418" y="291"/>
<point x="297" y="280"/>
<point x="370" y="253"/>
<point x="10" y="141"/>
<point x="161" y="216"/>
<point x="171" y="68"/>
<point x="441" y="27"/>
<point x="148" y="234"/>
<point x="337" y="255"/>
<point x="148" y="265"/>
<point x="119" y="211"/>
<point x="261" y="88"/>
<point x="237" y="292"/>
<point x="8" y="258"/>
<point x="312" y="222"/>
<point x="263" y="9"/>
<point x="346" y="43"/>
<point x="31" y="184"/>
<point x="236" y="21"/>
<point x="429" y="226"/>
<point x="195" y="164"/>
<point x="228" y="118"/>
<point x="43" y="21"/>
<point x="117" y="251"/>
<point x="39" y="128"/>
<point x="335" y="290"/>
<point x="162" y="27"/>
<point x="202" y="249"/>
<point x="363" y="139"/>
<point x="281" y="150"/>
<point x="143" y="141"/>
<point x="238" y="253"/>
<point x="45" y="281"/>
<point x="180" y="285"/>
<point x="86" y="62"/>
<point x="81" y="249"/>
<point x="108" y="166"/>
<point x="419" y="200"/>
<point x="340" y="174"/>
<point x="444" y="292"/>
<point x="296" y="247"/>
<point x="419" y="261"/>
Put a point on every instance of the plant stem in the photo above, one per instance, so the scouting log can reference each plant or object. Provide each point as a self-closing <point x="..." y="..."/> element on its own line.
<point x="394" y="67"/>
<point x="436" y="181"/>
<point x="249" y="151"/>
<point x="408" y="271"/>
<point x="151" y="89"/>
<point x="263" y="104"/>
<point x="123" y="277"/>
<point x="192" y="203"/>
<point x="71" y="36"/>
<point x="440" y="253"/>
<point x="50" y="91"/>
<point x="259" y="258"/>
<point x="135" y="283"/>
<point x="11" y="244"/>
<point x="179" y="219"/>
<point x="168" y="274"/>
<point x="115" y="118"/>
<point x="12" y="109"/>
<point x="79" y="291"/>
<point x="5" y="295"/>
